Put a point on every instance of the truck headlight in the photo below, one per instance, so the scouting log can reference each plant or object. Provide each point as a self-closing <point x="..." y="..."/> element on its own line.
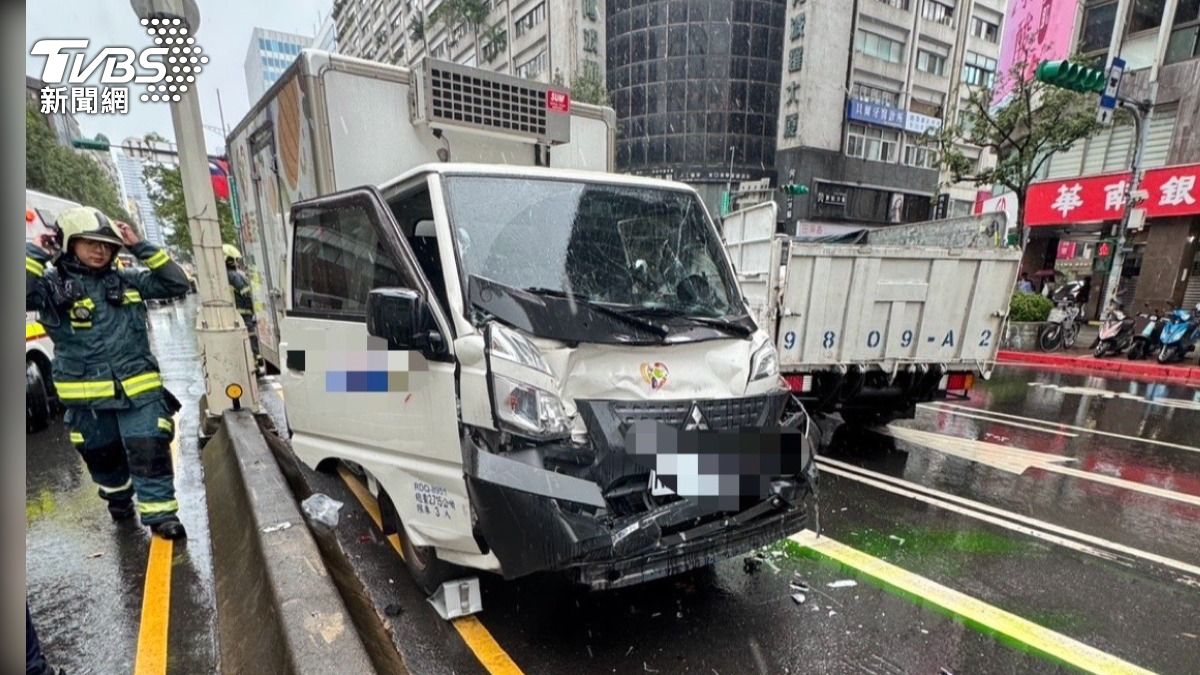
<point x="764" y="362"/>
<point x="522" y="408"/>
<point x="528" y="411"/>
<point x="511" y="346"/>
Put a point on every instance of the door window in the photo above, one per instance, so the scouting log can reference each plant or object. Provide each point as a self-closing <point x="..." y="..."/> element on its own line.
<point x="339" y="257"/>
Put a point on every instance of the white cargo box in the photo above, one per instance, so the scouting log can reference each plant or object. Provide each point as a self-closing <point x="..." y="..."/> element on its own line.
<point x="877" y="306"/>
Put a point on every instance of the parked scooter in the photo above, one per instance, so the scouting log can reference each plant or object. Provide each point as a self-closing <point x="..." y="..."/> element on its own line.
<point x="1062" y="326"/>
<point x="1146" y="335"/>
<point x="1179" y="335"/>
<point x="1116" y="332"/>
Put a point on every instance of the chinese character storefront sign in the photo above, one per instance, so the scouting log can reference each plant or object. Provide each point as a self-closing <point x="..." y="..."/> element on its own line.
<point x="1171" y="191"/>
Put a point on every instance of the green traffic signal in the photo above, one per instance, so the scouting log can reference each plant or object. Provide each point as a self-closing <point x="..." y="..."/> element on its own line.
<point x="89" y="144"/>
<point x="795" y="190"/>
<point x="1071" y="76"/>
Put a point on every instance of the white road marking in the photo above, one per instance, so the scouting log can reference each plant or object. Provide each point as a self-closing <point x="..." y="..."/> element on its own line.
<point x="1073" y="539"/>
<point x="1019" y="460"/>
<point x="1060" y="425"/>
<point x="1180" y="403"/>
<point x="1018" y="425"/>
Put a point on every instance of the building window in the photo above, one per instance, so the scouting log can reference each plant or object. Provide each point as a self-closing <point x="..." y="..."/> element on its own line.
<point x="591" y="40"/>
<point x="865" y="92"/>
<point x="492" y="49"/>
<point x="798" y="24"/>
<point x="791" y="124"/>
<point x="979" y="71"/>
<point x="985" y="30"/>
<point x="533" y="67"/>
<point x="919" y="154"/>
<point x="879" y="47"/>
<point x="929" y="62"/>
<point x="795" y="59"/>
<point x="872" y="143"/>
<point x="898" y="4"/>
<point x="937" y="12"/>
<point x="530" y="19"/>
<point x="1098" y="21"/>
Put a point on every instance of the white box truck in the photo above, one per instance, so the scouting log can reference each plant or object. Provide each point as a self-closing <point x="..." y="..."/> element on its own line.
<point x="908" y="314"/>
<point x="536" y="364"/>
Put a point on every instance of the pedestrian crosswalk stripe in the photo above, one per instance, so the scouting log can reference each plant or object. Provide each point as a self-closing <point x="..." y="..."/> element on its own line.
<point x="976" y="613"/>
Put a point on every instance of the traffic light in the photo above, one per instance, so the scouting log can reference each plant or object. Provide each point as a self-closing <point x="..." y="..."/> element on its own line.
<point x="90" y="144"/>
<point x="1072" y="76"/>
<point x="795" y="189"/>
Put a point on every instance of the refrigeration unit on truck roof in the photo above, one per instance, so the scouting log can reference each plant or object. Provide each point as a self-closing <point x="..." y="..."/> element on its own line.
<point x="447" y="95"/>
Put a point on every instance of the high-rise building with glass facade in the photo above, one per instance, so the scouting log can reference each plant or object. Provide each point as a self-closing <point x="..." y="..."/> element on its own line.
<point x="695" y="85"/>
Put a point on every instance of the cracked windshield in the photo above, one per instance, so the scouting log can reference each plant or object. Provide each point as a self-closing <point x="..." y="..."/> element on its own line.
<point x="624" y="246"/>
<point x="612" y="336"/>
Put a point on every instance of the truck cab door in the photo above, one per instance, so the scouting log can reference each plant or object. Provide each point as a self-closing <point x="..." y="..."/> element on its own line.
<point x="355" y="396"/>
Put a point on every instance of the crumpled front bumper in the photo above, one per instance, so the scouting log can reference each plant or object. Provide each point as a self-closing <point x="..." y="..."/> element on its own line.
<point x="537" y="519"/>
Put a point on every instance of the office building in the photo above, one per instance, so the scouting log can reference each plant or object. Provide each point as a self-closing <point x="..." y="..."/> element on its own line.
<point x="132" y="159"/>
<point x="696" y="89"/>
<point x="863" y="93"/>
<point x="553" y="41"/>
<point x="270" y="52"/>
<point x="1074" y="215"/>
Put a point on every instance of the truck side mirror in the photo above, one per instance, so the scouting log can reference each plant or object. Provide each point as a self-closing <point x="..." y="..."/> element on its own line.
<point x="403" y="318"/>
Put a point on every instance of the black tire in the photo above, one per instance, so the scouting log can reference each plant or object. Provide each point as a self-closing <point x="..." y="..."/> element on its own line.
<point x="37" y="398"/>
<point x="1050" y="338"/>
<point x="1137" y="351"/>
<point x="422" y="562"/>
<point x="1101" y="350"/>
<point x="1069" y="336"/>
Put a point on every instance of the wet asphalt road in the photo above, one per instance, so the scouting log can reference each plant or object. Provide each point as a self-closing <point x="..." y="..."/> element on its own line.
<point x="85" y="574"/>
<point x="1104" y="568"/>
<point x="1105" y="563"/>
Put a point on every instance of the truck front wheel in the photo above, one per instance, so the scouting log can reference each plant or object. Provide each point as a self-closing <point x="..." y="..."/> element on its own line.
<point x="422" y="562"/>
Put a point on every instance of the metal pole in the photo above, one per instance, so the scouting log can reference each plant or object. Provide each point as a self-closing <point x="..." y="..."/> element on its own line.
<point x="1140" y="113"/>
<point x="224" y="343"/>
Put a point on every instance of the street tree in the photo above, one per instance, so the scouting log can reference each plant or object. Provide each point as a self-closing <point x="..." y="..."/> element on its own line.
<point x="1034" y="122"/>
<point x="61" y="171"/>
<point x="589" y="88"/>
<point x="452" y="13"/>
<point x="165" y="186"/>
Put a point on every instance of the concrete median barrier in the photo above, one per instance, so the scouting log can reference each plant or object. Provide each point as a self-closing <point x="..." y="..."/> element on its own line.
<point x="278" y="610"/>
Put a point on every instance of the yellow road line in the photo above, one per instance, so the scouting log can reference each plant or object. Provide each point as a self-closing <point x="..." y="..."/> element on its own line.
<point x="479" y="640"/>
<point x="156" y="610"/>
<point x="975" y="612"/>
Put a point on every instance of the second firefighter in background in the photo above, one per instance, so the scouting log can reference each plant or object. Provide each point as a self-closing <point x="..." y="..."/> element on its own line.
<point x="243" y="297"/>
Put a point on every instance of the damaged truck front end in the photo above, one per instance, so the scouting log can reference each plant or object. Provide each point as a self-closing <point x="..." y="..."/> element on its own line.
<point x="638" y="423"/>
<point x="657" y="488"/>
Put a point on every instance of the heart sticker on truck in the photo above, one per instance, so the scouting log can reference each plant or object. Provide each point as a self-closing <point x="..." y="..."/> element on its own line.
<point x="655" y="375"/>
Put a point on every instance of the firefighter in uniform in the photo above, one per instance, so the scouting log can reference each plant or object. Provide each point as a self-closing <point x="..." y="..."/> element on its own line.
<point x="119" y="415"/>
<point x="242" y="294"/>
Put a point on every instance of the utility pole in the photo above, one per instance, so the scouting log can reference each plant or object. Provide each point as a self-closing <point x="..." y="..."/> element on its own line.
<point x="1141" y="120"/>
<point x="224" y="344"/>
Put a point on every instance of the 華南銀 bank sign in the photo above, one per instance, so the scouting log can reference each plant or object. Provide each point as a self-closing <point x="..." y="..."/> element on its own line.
<point x="1170" y="191"/>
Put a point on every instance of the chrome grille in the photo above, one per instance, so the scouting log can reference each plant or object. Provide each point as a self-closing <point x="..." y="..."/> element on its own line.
<point x="732" y="413"/>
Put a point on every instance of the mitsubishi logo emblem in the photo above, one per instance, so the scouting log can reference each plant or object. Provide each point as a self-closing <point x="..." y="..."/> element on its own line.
<point x="695" y="420"/>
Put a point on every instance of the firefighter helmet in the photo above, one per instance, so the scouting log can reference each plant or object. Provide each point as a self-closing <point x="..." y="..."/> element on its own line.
<point x="85" y="222"/>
